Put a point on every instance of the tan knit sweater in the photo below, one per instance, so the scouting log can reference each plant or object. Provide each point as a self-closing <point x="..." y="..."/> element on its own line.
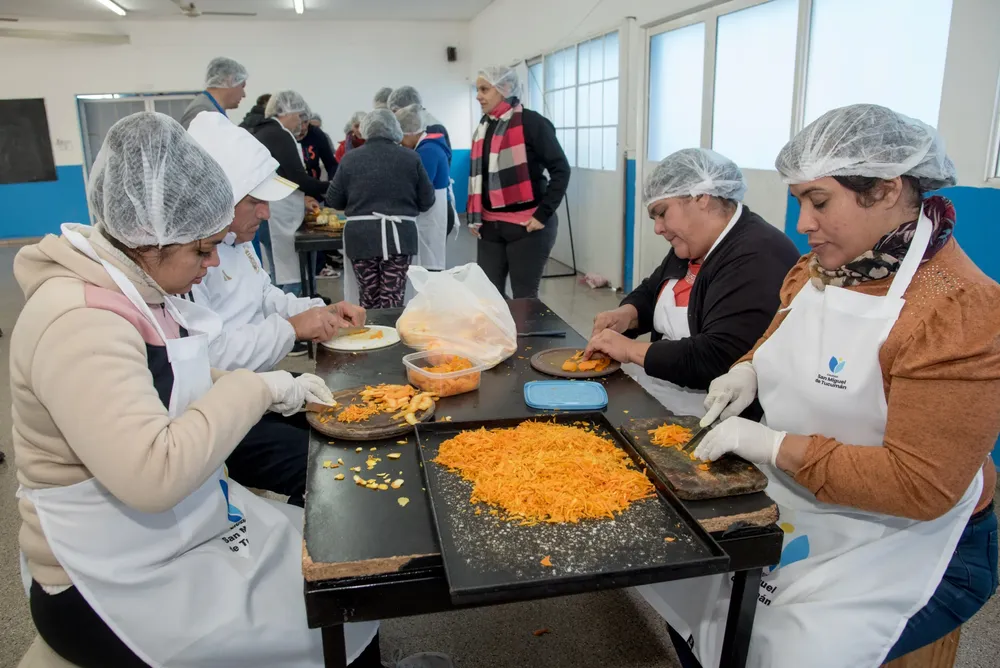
<point x="84" y="404"/>
<point x="941" y="374"/>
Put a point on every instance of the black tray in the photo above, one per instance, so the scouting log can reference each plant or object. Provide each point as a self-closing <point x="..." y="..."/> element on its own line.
<point x="490" y="561"/>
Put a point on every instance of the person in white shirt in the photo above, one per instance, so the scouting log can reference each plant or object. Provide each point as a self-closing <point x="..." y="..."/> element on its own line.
<point x="260" y="322"/>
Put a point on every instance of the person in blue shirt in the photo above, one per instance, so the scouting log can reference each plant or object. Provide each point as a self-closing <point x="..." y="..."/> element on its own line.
<point x="435" y="154"/>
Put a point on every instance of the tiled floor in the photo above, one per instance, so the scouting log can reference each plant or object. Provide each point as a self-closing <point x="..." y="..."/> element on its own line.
<point x="608" y="630"/>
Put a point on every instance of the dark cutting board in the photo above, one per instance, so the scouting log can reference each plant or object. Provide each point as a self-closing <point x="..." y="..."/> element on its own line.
<point x="489" y="560"/>
<point x="550" y="362"/>
<point x="374" y="428"/>
<point x="727" y="476"/>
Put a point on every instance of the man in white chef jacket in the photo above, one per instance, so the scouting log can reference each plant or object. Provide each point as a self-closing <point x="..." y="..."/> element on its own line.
<point x="260" y="323"/>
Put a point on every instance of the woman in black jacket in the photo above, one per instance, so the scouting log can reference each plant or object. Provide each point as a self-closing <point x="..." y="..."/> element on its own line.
<point x="714" y="294"/>
<point x="512" y="205"/>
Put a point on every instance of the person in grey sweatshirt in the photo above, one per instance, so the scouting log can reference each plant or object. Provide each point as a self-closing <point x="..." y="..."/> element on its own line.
<point x="381" y="187"/>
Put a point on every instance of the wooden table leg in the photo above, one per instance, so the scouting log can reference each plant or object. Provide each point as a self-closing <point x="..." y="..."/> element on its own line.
<point x="739" y="622"/>
<point x="334" y="650"/>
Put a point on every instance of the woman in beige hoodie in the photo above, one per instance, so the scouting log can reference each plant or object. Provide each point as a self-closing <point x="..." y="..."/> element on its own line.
<point x="137" y="548"/>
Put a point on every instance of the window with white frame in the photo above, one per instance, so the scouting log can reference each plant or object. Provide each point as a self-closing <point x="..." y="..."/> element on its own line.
<point x="534" y="97"/>
<point x="581" y="90"/>
<point x="676" y="77"/>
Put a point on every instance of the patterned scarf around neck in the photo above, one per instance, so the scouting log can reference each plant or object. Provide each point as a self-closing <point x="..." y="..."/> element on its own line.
<point x="884" y="259"/>
<point x="508" y="178"/>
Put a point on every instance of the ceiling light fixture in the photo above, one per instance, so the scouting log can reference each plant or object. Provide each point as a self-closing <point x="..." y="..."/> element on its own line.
<point x="113" y="6"/>
<point x="300" y="6"/>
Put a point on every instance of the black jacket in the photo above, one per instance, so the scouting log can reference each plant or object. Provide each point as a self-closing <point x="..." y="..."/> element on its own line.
<point x="253" y="118"/>
<point x="381" y="177"/>
<point x="544" y="154"/>
<point x="316" y="148"/>
<point x="732" y="302"/>
<point x="286" y="151"/>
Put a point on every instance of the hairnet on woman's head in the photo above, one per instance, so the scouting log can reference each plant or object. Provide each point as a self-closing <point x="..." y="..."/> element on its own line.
<point x="152" y="184"/>
<point x="224" y="73"/>
<point x="404" y="96"/>
<point x="382" y="98"/>
<point x="867" y="140"/>
<point x="412" y="119"/>
<point x="504" y="79"/>
<point x="381" y="124"/>
<point x="691" y="172"/>
<point x="355" y="119"/>
<point x="286" y="102"/>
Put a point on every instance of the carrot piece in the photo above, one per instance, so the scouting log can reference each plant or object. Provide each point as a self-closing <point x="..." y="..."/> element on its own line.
<point x="546" y="561"/>
<point x="670" y="435"/>
<point x="570" y="365"/>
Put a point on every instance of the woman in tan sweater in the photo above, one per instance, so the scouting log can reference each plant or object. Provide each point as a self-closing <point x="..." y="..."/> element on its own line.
<point x="880" y="383"/>
<point x="139" y="551"/>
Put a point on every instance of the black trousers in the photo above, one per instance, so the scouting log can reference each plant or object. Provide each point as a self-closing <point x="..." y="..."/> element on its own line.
<point x="272" y="456"/>
<point x="505" y="249"/>
<point x="68" y="625"/>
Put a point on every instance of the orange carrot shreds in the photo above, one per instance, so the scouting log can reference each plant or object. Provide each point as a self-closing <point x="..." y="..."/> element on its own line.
<point x="594" y="364"/>
<point x="670" y="435"/>
<point x="545" y="472"/>
<point x="449" y="364"/>
<point x="358" y="412"/>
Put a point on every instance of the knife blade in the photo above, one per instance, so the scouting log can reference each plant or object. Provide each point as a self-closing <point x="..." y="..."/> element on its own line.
<point x="696" y="437"/>
<point x="353" y="331"/>
<point x="554" y="333"/>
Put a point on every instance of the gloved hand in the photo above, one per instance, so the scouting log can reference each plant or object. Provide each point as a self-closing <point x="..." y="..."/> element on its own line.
<point x="750" y="440"/>
<point x="730" y="394"/>
<point x="288" y="397"/>
<point x="316" y="390"/>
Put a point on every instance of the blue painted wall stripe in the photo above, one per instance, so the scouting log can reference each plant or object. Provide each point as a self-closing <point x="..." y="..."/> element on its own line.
<point x="460" y="175"/>
<point x="35" y="209"/>
<point x="975" y="229"/>
<point x="629" y="223"/>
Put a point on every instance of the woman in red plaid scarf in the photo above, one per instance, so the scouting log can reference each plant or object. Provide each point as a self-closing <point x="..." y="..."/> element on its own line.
<point x="512" y="205"/>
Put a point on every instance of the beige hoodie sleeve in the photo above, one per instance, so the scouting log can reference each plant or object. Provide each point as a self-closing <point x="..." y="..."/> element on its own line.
<point x="100" y="394"/>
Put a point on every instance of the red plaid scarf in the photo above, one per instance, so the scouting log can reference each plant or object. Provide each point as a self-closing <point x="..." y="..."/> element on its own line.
<point x="509" y="181"/>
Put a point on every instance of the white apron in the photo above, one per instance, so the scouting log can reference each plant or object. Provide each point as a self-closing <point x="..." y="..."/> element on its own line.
<point x="217" y="580"/>
<point x="351" y="292"/>
<point x="848" y="580"/>
<point x="432" y="230"/>
<point x="671" y="321"/>
<point x="286" y="218"/>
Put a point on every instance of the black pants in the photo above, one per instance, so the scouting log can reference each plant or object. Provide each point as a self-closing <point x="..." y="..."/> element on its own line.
<point x="68" y="625"/>
<point x="507" y="249"/>
<point x="272" y="456"/>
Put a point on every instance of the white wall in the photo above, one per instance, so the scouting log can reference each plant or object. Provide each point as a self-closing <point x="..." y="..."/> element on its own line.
<point x="337" y="66"/>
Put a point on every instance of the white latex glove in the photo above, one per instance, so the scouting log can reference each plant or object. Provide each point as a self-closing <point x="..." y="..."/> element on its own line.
<point x="730" y="394"/>
<point x="748" y="439"/>
<point x="316" y="391"/>
<point x="288" y="397"/>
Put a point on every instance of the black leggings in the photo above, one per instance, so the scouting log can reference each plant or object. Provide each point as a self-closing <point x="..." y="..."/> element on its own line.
<point x="508" y="249"/>
<point x="68" y="625"/>
<point x="272" y="456"/>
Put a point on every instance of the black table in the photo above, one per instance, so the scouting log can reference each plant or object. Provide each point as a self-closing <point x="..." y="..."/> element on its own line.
<point x="308" y="242"/>
<point x="365" y="558"/>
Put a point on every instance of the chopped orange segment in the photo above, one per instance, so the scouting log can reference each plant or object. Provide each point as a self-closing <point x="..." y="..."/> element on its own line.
<point x="703" y="467"/>
<point x="569" y="365"/>
<point x="670" y="435"/>
<point x="546" y="561"/>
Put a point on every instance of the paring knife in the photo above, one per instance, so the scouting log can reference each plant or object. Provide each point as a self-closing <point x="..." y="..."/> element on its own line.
<point x="551" y="333"/>
<point x="351" y="331"/>
<point x="699" y="434"/>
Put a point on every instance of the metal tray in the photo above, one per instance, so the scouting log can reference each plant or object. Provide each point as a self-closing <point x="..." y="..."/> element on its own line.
<point x="490" y="561"/>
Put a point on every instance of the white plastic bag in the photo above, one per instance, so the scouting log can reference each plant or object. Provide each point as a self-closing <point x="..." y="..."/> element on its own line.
<point x="461" y="310"/>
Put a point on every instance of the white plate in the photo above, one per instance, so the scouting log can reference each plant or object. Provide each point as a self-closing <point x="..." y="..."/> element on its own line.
<point x="364" y="341"/>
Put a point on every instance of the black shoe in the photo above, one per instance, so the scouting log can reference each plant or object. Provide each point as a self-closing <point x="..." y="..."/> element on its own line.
<point x="299" y="349"/>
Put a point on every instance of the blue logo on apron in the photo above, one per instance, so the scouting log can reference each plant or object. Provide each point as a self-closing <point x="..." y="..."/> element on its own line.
<point x="233" y="513"/>
<point x="836" y="365"/>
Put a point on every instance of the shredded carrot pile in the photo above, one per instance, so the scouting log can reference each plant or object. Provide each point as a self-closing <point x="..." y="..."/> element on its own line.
<point x="359" y="412"/>
<point x="670" y="435"/>
<point x="545" y="472"/>
<point x="452" y="363"/>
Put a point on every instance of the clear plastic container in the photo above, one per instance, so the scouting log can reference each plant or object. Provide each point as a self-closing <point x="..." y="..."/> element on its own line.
<point x="442" y="384"/>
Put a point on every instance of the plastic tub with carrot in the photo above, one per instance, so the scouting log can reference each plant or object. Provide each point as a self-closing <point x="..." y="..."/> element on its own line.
<point x="443" y="372"/>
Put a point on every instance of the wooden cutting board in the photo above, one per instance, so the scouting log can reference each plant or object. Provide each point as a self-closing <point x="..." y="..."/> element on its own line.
<point x="728" y="476"/>
<point x="374" y="428"/>
<point x="550" y="362"/>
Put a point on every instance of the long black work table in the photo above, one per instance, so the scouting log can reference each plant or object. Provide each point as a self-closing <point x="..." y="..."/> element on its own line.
<point x="367" y="558"/>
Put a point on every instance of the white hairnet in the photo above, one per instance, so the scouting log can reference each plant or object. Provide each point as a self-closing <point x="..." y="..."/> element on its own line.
<point x="866" y="140"/>
<point x="382" y="98"/>
<point x="152" y="184"/>
<point x="316" y="117"/>
<point x="381" y="123"/>
<point x="355" y="119"/>
<point x="504" y="79"/>
<point x="691" y="172"/>
<point x="404" y="96"/>
<point x="412" y="119"/>
<point x="224" y="73"/>
<point x="286" y="102"/>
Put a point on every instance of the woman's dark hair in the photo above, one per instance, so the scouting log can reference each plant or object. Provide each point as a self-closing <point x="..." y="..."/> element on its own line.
<point x="135" y="254"/>
<point x="262" y="100"/>
<point x="870" y="189"/>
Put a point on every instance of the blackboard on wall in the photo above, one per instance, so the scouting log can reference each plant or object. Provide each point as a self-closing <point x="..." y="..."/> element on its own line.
<point x="25" y="146"/>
